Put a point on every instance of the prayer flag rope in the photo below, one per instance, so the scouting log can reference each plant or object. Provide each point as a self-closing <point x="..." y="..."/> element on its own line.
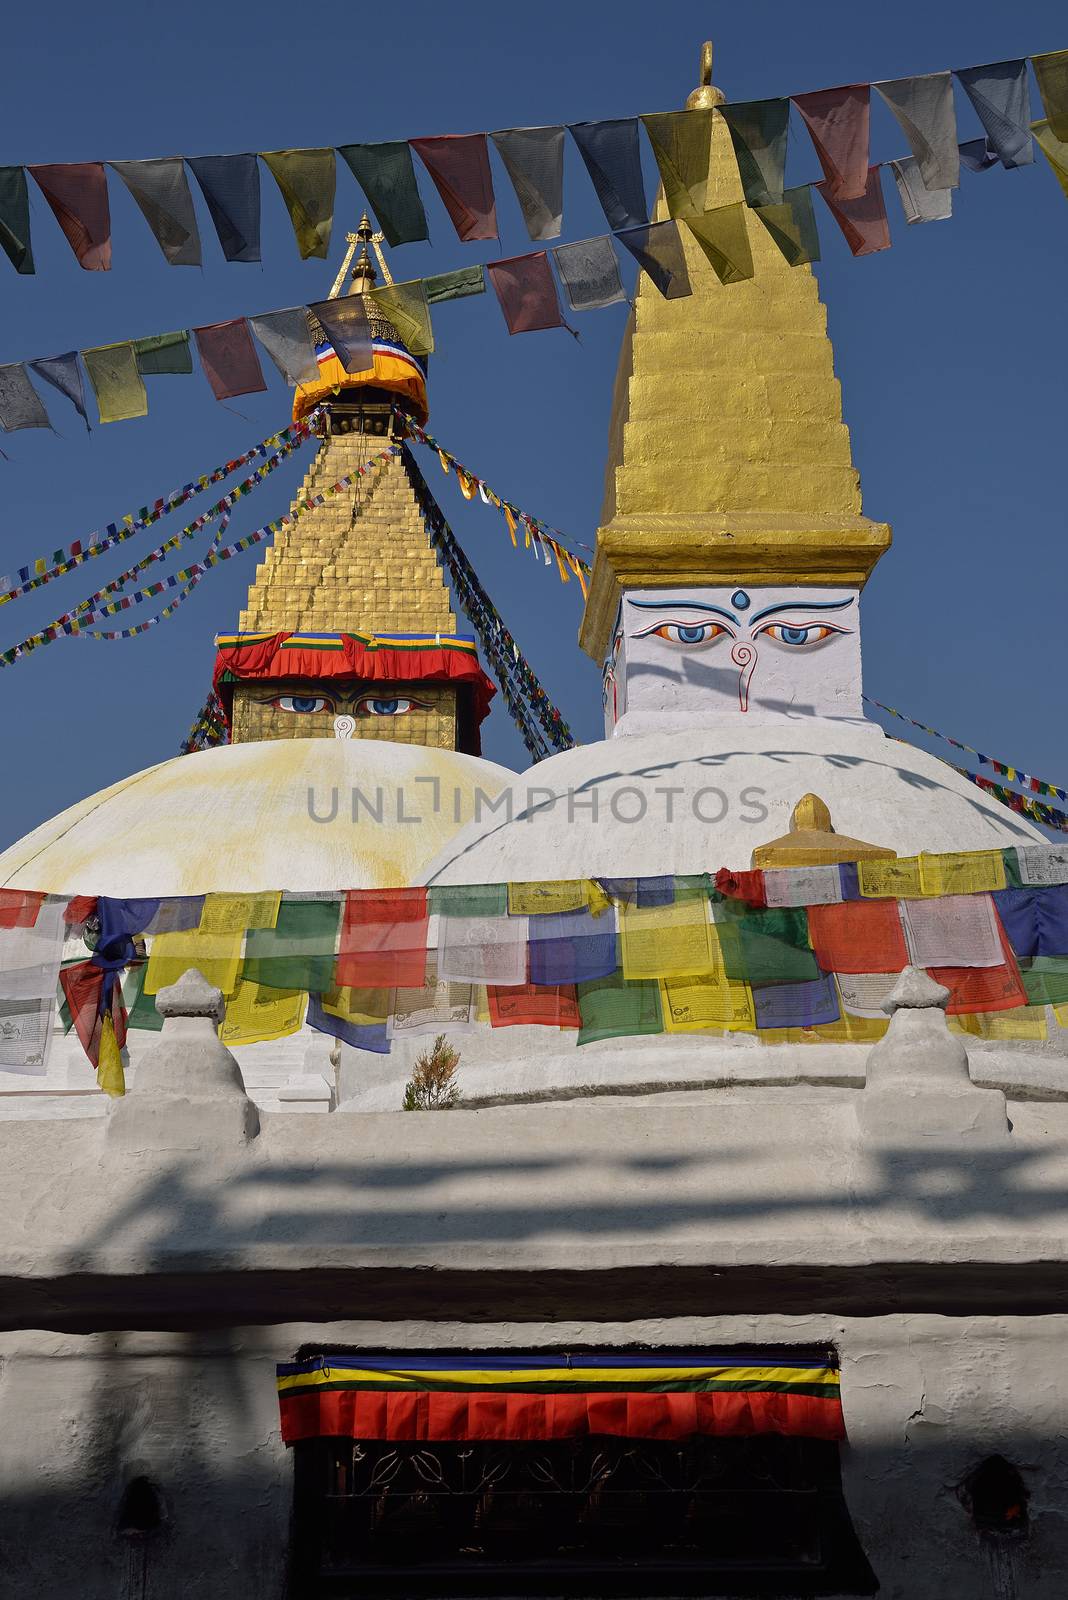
<point x="209" y="727"/>
<point x="45" y="568"/>
<point x="1022" y="804"/>
<point x="470" y="482"/>
<point x="1002" y="768"/>
<point x="539" y="721"/>
<point x="189" y="579"/>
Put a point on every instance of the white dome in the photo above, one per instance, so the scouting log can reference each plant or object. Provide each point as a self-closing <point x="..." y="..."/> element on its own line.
<point x="240" y="818"/>
<point x="602" y="810"/>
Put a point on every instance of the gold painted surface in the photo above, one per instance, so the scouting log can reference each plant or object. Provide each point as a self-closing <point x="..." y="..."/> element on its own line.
<point x="432" y="721"/>
<point x="359" y="562"/>
<point x="276" y="814"/>
<point x="728" y="458"/>
<point x="812" y="841"/>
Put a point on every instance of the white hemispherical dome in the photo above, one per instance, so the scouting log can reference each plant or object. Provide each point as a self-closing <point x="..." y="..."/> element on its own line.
<point x="694" y="801"/>
<point x="300" y="814"/>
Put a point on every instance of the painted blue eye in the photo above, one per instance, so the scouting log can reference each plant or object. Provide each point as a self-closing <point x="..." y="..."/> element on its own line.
<point x="794" y="635"/>
<point x="302" y="704"/>
<point x="375" y="707"/>
<point x="689" y="633"/>
<point x="797" y="636"/>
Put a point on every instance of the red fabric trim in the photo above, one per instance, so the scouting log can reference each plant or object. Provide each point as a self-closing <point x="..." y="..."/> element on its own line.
<point x="983" y="988"/>
<point x="421" y="1415"/>
<point x="267" y="661"/>
<point x="19" y="907"/>
<point x="747" y="886"/>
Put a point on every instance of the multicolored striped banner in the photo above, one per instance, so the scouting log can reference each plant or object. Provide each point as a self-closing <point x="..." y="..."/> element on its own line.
<point x="1002" y="768"/>
<point x="522" y="1396"/>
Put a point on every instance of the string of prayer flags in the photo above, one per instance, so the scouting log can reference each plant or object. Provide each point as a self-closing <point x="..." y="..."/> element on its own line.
<point x="918" y="202"/>
<point x="386" y="175"/>
<point x="724" y="238"/>
<point x="229" y="359"/>
<point x="231" y="188"/>
<point x="526" y="290"/>
<point x="306" y="180"/>
<point x="163" y="354"/>
<point x="681" y="142"/>
<point x="296" y="951"/>
<point x="759" y="131"/>
<point x="1023" y="805"/>
<point x="924" y="110"/>
<point x="346" y="326"/>
<point x="161" y="190"/>
<point x="454" y="285"/>
<point x="613" y="160"/>
<point x="407" y="307"/>
<point x="287" y="339"/>
<point x="15" y="219"/>
<point x="534" y="159"/>
<point x="1055" y="151"/>
<point x="1051" y="70"/>
<point x="459" y="165"/>
<point x="117" y="384"/>
<point x="384" y="939"/>
<point x="227" y="913"/>
<point x="864" y="220"/>
<point x="589" y="272"/>
<point x="65" y="374"/>
<point x="1001" y="95"/>
<point x="614" y="1007"/>
<point x="1016" y="774"/>
<point x="792" y="225"/>
<point x="657" y="248"/>
<point x="77" y="194"/>
<point x="838" y="121"/>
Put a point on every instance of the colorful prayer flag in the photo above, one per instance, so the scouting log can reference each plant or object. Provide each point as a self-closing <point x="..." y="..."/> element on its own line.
<point x="406" y="306"/>
<point x="759" y="130"/>
<point x="838" y="121"/>
<point x="589" y="271"/>
<point x="1051" y="70"/>
<point x="682" y="143"/>
<point x="793" y="225"/>
<point x="65" y="374"/>
<point x="864" y="221"/>
<point x="287" y="339"/>
<point x="386" y="175"/>
<point x="15" y="218"/>
<point x="1001" y="95"/>
<point x="163" y="354"/>
<point x="161" y="190"/>
<point x="346" y="326"/>
<point x="613" y="160"/>
<point x="455" y="285"/>
<point x="534" y="158"/>
<point x="657" y="248"/>
<point x="924" y="110"/>
<point x="306" y="180"/>
<point x="459" y="166"/>
<point x="919" y="203"/>
<point x="384" y="939"/>
<point x="77" y="193"/>
<point x="229" y="359"/>
<point x="118" y="385"/>
<point x="526" y="290"/>
<point x="1055" y="151"/>
<point x="724" y="239"/>
<point x="231" y="187"/>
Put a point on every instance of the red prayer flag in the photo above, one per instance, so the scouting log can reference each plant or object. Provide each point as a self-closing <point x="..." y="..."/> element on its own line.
<point x="553" y="1005"/>
<point x="983" y="988"/>
<point x="526" y="289"/>
<point x="383" y="939"/>
<point x="78" y="195"/>
<point x="858" y="936"/>
<point x="229" y="359"/>
<point x="864" y="221"/>
<point x="839" y="120"/>
<point x="82" y="986"/>
<point x="19" y="907"/>
<point x="459" y="166"/>
<point x="747" y="886"/>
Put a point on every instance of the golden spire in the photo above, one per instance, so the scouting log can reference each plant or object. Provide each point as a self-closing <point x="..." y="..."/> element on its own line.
<point x="812" y="841"/>
<point x="364" y="276"/>
<point x="728" y="460"/>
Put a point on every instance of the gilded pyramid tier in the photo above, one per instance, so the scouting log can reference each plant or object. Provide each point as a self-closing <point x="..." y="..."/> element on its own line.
<point x="361" y="562"/>
<point x="728" y="458"/>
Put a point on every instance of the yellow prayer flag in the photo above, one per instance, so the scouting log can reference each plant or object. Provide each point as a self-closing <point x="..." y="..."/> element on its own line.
<point x="532" y="899"/>
<point x="510" y="519"/>
<point x="707" y="1002"/>
<point x="675" y="941"/>
<point x="467" y="484"/>
<point x="361" y="1007"/>
<point x="723" y="236"/>
<point x="1055" y="151"/>
<point x="890" y="879"/>
<point x="962" y="872"/>
<point x="233" y="913"/>
<point x="109" y="1072"/>
<point x="597" y="901"/>
<point x="217" y="956"/>
<point x="1021" y="1022"/>
<point x="481" y="1003"/>
<point x="254" y="1014"/>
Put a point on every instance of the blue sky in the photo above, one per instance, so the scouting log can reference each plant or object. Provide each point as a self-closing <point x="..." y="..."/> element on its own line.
<point x="951" y="346"/>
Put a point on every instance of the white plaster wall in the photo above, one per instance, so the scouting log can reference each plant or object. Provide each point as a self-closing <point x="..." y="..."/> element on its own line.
<point x="926" y="1398"/>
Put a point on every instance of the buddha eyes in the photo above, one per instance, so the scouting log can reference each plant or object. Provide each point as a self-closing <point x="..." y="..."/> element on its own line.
<point x="687" y="634"/>
<point x="367" y="706"/>
<point x="797" y="635"/>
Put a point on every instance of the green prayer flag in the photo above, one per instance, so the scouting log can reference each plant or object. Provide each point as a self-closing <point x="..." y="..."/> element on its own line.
<point x="299" y="952"/>
<point x="469" y="900"/>
<point x="724" y="238"/>
<point x="682" y="142"/>
<point x="615" y="1008"/>
<point x="405" y="304"/>
<point x="454" y="285"/>
<point x="1055" y="151"/>
<point x="307" y="179"/>
<point x="759" y="130"/>
<point x="386" y="174"/>
<point x="793" y="225"/>
<point x="765" y="946"/>
<point x="140" y="1007"/>
<point x="1051" y="70"/>
<point x="1045" y="980"/>
<point x="118" y="385"/>
<point x="163" y="353"/>
<point x="15" y="219"/>
<point x="1011" y="862"/>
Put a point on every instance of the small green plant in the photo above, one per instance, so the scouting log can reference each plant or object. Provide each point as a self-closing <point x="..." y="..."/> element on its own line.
<point x="432" y="1086"/>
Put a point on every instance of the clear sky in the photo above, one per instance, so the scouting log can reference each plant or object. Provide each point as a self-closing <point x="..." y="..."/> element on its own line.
<point x="951" y="346"/>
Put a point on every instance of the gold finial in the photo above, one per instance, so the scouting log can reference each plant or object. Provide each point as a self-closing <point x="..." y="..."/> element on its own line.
<point x="706" y="94"/>
<point x="364" y="276"/>
<point x="812" y="841"/>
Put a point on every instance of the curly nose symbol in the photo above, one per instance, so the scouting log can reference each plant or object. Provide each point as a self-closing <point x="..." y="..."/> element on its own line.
<point x="744" y="657"/>
<point x="344" y="727"/>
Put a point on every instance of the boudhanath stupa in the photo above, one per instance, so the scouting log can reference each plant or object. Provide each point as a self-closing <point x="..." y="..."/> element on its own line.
<point x="740" y="1266"/>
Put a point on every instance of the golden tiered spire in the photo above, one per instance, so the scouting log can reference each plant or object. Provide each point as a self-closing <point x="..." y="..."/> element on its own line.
<point x="728" y="458"/>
